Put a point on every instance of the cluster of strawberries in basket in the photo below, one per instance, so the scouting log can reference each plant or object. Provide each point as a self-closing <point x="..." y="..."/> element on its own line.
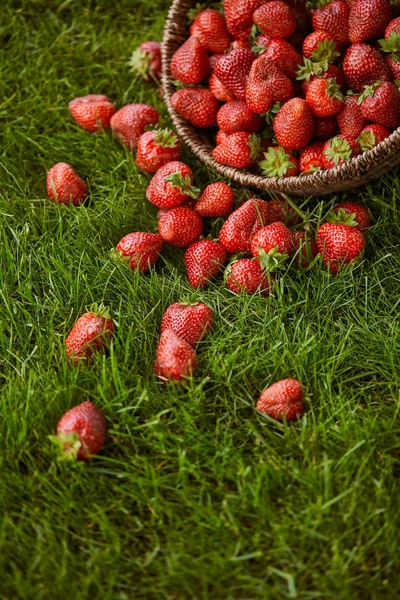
<point x="302" y="89"/>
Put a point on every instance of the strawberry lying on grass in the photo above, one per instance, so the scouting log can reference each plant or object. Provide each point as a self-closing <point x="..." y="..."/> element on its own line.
<point x="146" y="61"/>
<point x="157" y="148"/>
<point x="204" y="261"/>
<point x="81" y="432"/>
<point x="246" y="275"/>
<point x="180" y="227"/>
<point x="65" y="186"/>
<point x="339" y="245"/>
<point x="141" y="249"/>
<point x="129" y="123"/>
<point x="175" y="358"/>
<point x="241" y="226"/>
<point x="283" y="401"/>
<point x="90" y="333"/>
<point x="216" y="200"/>
<point x="191" y="322"/>
<point x="92" y="112"/>
<point x="171" y="186"/>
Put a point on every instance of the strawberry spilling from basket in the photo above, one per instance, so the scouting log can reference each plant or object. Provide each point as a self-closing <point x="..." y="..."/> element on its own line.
<point x="290" y="86"/>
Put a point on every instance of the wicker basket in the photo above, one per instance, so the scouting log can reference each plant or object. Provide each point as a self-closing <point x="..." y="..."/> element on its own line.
<point x="359" y="170"/>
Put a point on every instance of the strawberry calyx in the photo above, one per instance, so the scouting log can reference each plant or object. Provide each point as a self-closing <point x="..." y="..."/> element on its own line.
<point x="273" y="111"/>
<point x="325" y="51"/>
<point x="314" y="4"/>
<point x="369" y="91"/>
<point x="254" y="144"/>
<point x="367" y="140"/>
<point x="313" y="166"/>
<point x="392" y="44"/>
<point x="312" y="69"/>
<point x="100" y="310"/>
<point x="277" y="163"/>
<point x="333" y="89"/>
<point x="339" y="150"/>
<point x="68" y="445"/>
<point x="342" y="217"/>
<point x="184" y="185"/>
<point x="273" y="260"/>
<point x="140" y="62"/>
<point x="166" y="138"/>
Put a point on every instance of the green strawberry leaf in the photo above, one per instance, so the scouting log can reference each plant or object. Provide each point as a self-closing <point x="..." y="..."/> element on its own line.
<point x="276" y="163"/>
<point x="342" y="217"/>
<point x="67" y="444"/>
<point x="184" y="184"/>
<point x="166" y="138"/>
<point x="367" y="140"/>
<point x="369" y="91"/>
<point x="339" y="150"/>
<point x="325" y="51"/>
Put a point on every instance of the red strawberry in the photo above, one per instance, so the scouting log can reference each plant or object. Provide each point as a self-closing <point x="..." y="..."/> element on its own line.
<point x="372" y="135"/>
<point x="266" y="85"/>
<point x="175" y="358"/>
<point x="240" y="44"/>
<point x="90" y="332"/>
<point x="281" y="210"/>
<point x="219" y="91"/>
<point x="283" y="400"/>
<point x="246" y="275"/>
<point x="368" y="20"/>
<point x="171" y="186"/>
<point x="157" y="148"/>
<point x="233" y="70"/>
<point x="65" y="186"/>
<point x="92" y="112"/>
<point x="311" y="154"/>
<point x="324" y="97"/>
<point x="204" y="261"/>
<point x="393" y="27"/>
<point x="325" y="128"/>
<point x="180" y="227"/>
<point x="339" y="150"/>
<point x="391" y="44"/>
<point x="237" y="116"/>
<point x="81" y="432"/>
<point x="146" y="61"/>
<point x="142" y="249"/>
<point x="216" y="200"/>
<point x="294" y="124"/>
<point x="380" y="103"/>
<point x="393" y="64"/>
<point x="210" y="29"/>
<point x="279" y="162"/>
<point x="334" y="19"/>
<point x="239" y="229"/>
<point x="312" y="71"/>
<point x="239" y="17"/>
<point x="273" y="244"/>
<point x="196" y="105"/>
<point x="313" y="165"/>
<point x="339" y="245"/>
<point x="129" y="123"/>
<point x="350" y="119"/>
<point x="275" y="18"/>
<point x="305" y="246"/>
<point x="363" y="65"/>
<point x="320" y="46"/>
<point x="282" y="54"/>
<point x="221" y="137"/>
<point x="190" y="63"/>
<point x="191" y="322"/>
<point x="240" y="150"/>
<point x="351" y="213"/>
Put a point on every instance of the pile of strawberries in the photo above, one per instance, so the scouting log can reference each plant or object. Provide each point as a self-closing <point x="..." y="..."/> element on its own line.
<point x="302" y="89"/>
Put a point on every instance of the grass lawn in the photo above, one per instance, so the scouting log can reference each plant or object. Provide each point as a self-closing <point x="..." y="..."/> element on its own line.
<point x="195" y="496"/>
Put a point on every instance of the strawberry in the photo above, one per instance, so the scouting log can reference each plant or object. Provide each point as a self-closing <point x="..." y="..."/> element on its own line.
<point x="363" y="65"/>
<point x="324" y="97"/>
<point x="240" y="44"/>
<point x="129" y="123"/>
<point x="368" y="20"/>
<point x="196" y="105"/>
<point x="239" y="17"/>
<point x="221" y="137"/>
<point x="219" y="91"/>
<point x="146" y="61"/>
<point x="64" y="185"/>
<point x="156" y="148"/>
<point x="276" y="19"/>
<point x="210" y="29"/>
<point x="273" y="245"/>
<point x="204" y="260"/>
<point x="313" y="166"/>
<point x="351" y="213"/>
<point x="279" y="162"/>
<point x="90" y="333"/>
<point x="180" y="227"/>
<point x="320" y="46"/>
<point x="391" y="45"/>
<point x="190" y="63"/>
<point x="282" y="54"/>
<point x="306" y="248"/>
<point x="312" y="71"/>
<point x="142" y="249"/>
<point x="350" y="119"/>
<point x="214" y="59"/>
<point x="216" y="200"/>
<point x="311" y="157"/>
<point x="175" y="359"/>
<point x="393" y="27"/>
<point x="233" y="70"/>
<point x="171" y="186"/>
<point x="283" y="400"/>
<point x="372" y="135"/>
<point x="81" y="432"/>
<point x="339" y="245"/>
<point x="191" y="322"/>
<point x="92" y="112"/>
<point x="334" y="19"/>
<point x="339" y="150"/>
<point x="240" y="150"/>
<point x="325" y="128"/>
<point x="294" y="124"/>
<point x="246" y="275"/>
<point x="380" y="103"/>
<point x="281" y="210"/>
<point x="241" y="226"/>
<point x="237" y="116"/>
<point x="266" y="85"/>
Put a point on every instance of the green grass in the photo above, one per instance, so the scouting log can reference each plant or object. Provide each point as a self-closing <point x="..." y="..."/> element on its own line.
<point x="195" y="496"/>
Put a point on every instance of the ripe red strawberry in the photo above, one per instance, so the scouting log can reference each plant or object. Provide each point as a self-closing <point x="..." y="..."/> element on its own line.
<point x="311" y="156"/>
<point x="246" y="275"/>
<point x="196" y="105"/>
<point x="276" y="19"/>
<point x="240" y="44"/>
<point x="380" y="103"/>
<point x="281" y="210"/>
<point x="324" y="97"/>
<point x="368" y="20"/>
<point x="237" y="116"/>
<point x="351" y="213"/>
<point x="81" y="432"/>
<point x="350" y="119"/>
<point x="142" y="249"/>
<point x="283" y="400"/>
<point x="219" y="91"/>
<point x="146" y="61"/>
<point x="294" y="124"/>
<point x="391" y="45"/>
<point x="305" y="246"/>
<point x="393" y="27"/>
<point x="339" y="150"/>
<point x="240" y="150"/>
<point x="312" y="71"/>
<point x="339" y="245"/>
<point x="239" y="17"/>
<point x="190" y="63"/>
<point x="171" y="186"/>
<point x="204" y="261"/>
<point x="90" y="333"/>
<point x="180" y="227"/>
<point x="129" y="123"/>
<point x="233" y="70"/>
<point x="64" y="185"/>
<point x="363" y="65"/>
<point x="273" y="245"/>
<point x="266" y="85"/>
<point x="282" y="54"/>
<point x="320" y="46"/>
<point x="216" y="200"/>
<point x="372" y="135"/>
<point x="334" y="19"/>
<point x="221" y="137"/>
<point x="92" y="112"/>
<point x="241" y="226"/>
<point x="157" y="148"/>
<point x="279" y="162"/>
<point x="175" y="359"/>
<point x="191" y="322"/>
<point x="325" y="128"/>
<point x="210" y="28"/>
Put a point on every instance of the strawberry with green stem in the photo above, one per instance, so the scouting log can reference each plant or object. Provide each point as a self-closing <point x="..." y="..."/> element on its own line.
<point x="90" y="333"/>
<point x="273" y="245"/>
<point x="339" y="245"/>
<point x="391" y="45"/>
<point x="372" y="135"/>
<point x="312" y="71"/>
<point x="246" y="276"/>
<point x="351" y="213"/>
<point x="81" y="432"/>
<point x="339" y="150"/>
<point x="240" y="150"/>
<point x="279" y="162"/>
<point x="324" y="97"/>
<point x="146" y="61"/>
<point x="321" y="47"/>
<point x="157" y="148"/>
<point x="171" y="186"/>
<point x="380" y="103"/>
